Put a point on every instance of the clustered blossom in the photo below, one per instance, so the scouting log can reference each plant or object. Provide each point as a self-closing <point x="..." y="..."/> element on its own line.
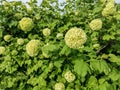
<point x="109" y="9"/>
<point x="2" y="50"/>
<point x="20" y="41"/>
<point x="69" y="76"/>
<point x="59" y="86"/>
<point x="117" y="15"/>
<point x="46" y="32"/>
<point x="26" y="24"/>
<point x="75" y="38"/>
<point x="7" y="38"/>
<point x="96" y="24"/>
<point x="33" y="47"/>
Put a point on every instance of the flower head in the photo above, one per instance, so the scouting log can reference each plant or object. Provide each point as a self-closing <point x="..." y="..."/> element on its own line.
<point x="109" y="9"/>
<point x="2" y="50"/>
<point x="20" y="41"/>
<point x="59" y="35"/>
<point x="69" y="76"/>
<point x="26" y="24"/>
<point x="75" y="38"/>
<point x="96" y="24"/>
<point x="33" y="47"/>
<point x="7" y="38"/>
<point x="46" y="32"/>
<point x="59" y="86"/>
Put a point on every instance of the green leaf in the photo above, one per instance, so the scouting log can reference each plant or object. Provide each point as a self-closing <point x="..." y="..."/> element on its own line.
<point x="100" y="66"/>
<point x="114" y="75"/>
<point x="114" y="58"/>
<point x="106" y="86"/>
<point x="65" y="50"/>
<point x="81" y="68"/>
<point x="92" y="82"/>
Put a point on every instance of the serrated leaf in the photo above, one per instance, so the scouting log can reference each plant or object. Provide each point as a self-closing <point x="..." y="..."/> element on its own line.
<point x="58" y="63"/>
<point x="100" y="66"/>
<point x="81" y="68"/>
<point x="106" y="86"/>
<point x="92" y="82"/>
<point x="114" y="75"/>
<point x="114" y="58"/>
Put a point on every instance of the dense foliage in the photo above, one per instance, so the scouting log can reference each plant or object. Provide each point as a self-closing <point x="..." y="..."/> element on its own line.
<point x="73" y="45"/>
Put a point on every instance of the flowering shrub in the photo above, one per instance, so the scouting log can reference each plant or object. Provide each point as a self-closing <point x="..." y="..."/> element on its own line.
<point x="74" y="45"/>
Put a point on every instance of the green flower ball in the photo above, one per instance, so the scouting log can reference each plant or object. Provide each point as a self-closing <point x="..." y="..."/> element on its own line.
<point x="2" y="50"/>
<point x="46" y="32"/>
<point x="26" y="24"/>
<point x="59" y="86"/>
<point x="33" y="47"/>
<point x="7" y="38"/>
<point x="75" y="38"/>
<point x="69" y="76"/>
<point x="20" y="41"/>
<point x="109" y="9"/>
<point x="96" y="24"/>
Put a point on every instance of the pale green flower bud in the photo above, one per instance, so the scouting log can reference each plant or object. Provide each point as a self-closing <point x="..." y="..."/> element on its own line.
<point x="20" y="41"/>
<point x="59" y="35"/>
<point x="18" y="15"/>
<point x="46" y="32"/>
<point x="96" y="46"/>
<point x="75" y="38"/>
<point x="26" y="24"/>
<point x="69" y="76"/>
<point x="59" y="86"/>
<point x="7" y="38"/>
<point x="2" y="50"/>
<point x="29" y="10"/>
<point x="96" y="24"/>
<point x="33" y="47"/>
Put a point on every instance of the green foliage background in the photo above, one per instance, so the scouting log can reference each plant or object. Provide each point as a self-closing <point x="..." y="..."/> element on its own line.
<point x="95" y="67"/>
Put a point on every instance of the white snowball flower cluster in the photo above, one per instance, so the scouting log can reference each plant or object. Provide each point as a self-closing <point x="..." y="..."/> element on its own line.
<point x="75" y="38"/>
<point x="33" y="47"/>
<point x="96" y="24"/>
<point x="109" y="9"/>
<point x="59" y="86"/>
<point x="46" y="32"/>
<point x="20" y="41"/>
<point x="2" y="50"/>
<point x="7" y="38"/>
<point x="69" y="76"/>
<point x="26" y="24"/>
